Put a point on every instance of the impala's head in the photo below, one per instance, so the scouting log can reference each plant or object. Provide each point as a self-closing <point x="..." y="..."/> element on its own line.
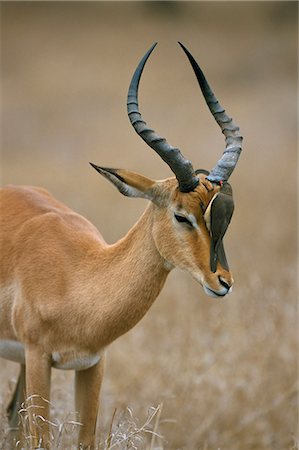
<point x="191" y="211"/>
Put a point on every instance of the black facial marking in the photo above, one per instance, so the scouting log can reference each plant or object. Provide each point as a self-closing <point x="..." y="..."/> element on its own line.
<point x="217" y="253"/>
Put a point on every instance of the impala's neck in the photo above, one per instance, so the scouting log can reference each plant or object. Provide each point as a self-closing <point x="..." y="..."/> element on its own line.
<point x="135" y="273"/>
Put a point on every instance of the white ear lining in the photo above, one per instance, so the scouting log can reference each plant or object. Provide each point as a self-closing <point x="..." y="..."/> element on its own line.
<point x="123" y="187"/>
<point x="126" y="189"/>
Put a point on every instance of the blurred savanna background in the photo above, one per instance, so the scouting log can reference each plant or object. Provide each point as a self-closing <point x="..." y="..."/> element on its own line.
<point x="224" y="372"/>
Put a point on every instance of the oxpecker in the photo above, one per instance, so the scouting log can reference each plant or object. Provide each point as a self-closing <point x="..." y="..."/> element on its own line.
<point x="221" y="212"/>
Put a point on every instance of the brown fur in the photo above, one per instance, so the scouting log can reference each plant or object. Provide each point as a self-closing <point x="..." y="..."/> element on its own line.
<point x="67" y="291"/>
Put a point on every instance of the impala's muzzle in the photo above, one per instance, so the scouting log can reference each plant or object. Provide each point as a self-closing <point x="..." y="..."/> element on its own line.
<point x="224" y="287"/>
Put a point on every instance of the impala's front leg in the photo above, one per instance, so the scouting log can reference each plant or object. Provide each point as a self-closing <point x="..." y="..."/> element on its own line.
<point x="87" y="387"/>
<point x="38" y="374"/>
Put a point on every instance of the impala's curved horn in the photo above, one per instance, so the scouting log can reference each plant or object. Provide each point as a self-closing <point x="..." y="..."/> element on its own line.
<point x="226" y="164"/>
<point x="181" y="167"/>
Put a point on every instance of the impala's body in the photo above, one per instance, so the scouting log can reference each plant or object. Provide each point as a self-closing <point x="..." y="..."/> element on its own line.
<point x="64" y="261"/>
<point x="55" y="251"/>
<point x="66" y="294"/>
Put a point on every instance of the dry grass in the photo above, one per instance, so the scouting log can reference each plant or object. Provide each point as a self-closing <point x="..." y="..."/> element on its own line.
<point x="225" y="371"/>
<point x="125" y="430"/>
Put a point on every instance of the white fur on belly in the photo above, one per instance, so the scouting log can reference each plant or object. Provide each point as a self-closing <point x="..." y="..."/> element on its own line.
<point x="12" y="350"/>
<point x="69" y="360"/>
<point x="73" y="361"/>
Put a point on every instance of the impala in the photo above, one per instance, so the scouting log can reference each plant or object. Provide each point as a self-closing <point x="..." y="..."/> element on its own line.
<point x="66" y="294"/>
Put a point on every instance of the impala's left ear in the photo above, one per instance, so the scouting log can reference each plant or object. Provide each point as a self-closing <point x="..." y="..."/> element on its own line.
<point x="128" y="183"/>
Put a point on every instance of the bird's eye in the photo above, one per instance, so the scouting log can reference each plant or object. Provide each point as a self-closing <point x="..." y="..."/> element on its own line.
<point x="183" y="219"/>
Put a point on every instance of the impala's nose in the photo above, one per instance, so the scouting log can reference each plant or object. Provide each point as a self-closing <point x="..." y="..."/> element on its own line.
<point x="225" y="283"/>
<point x="223" y="287"/>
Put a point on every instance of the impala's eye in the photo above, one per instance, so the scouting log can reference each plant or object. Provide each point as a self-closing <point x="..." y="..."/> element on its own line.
<point x="183" y="219"/>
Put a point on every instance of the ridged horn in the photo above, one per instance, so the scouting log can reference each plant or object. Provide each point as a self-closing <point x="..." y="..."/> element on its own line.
<point x="226" y="164"/>
<point x="181" y="167"/>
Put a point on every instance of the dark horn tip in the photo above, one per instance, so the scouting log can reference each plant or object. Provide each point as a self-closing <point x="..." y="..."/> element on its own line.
<point x="183" y="47"/>
<point x="152" y="47"/>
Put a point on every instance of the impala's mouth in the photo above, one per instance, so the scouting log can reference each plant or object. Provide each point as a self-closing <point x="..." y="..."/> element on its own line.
<point x="224" y="289"/>
<point x="216" y="294"/>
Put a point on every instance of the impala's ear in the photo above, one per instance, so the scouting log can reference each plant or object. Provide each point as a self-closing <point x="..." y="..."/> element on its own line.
<point x="128" y="183"/>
